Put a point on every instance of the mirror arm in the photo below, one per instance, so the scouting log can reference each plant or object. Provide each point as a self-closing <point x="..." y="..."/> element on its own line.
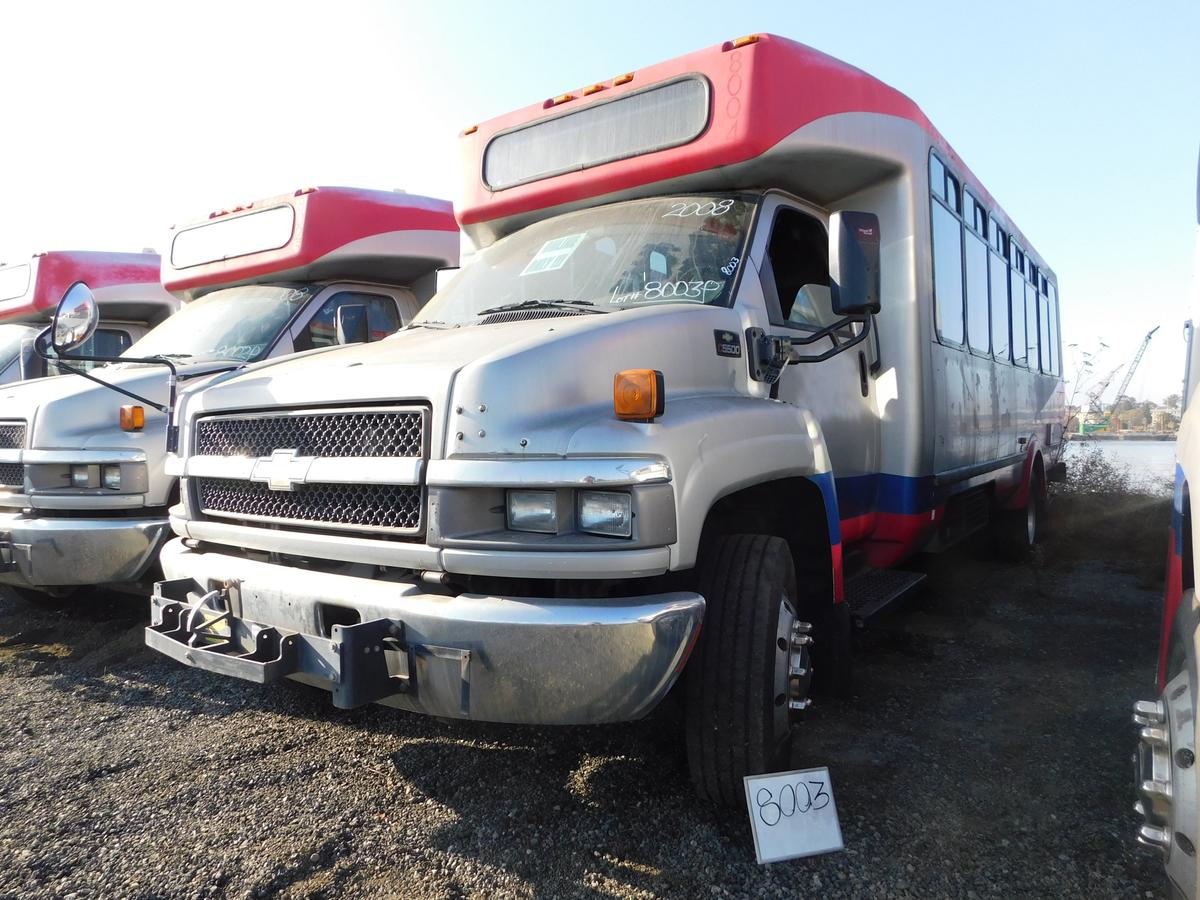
<point x="168" y="409"/>
<point x="770" y="353"/>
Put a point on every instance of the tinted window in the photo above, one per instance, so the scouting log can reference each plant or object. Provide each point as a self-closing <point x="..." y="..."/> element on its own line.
<point x="947" y="274"/>
<point x="937" y="177"/>
<point x="321" y="330"/>
<point x="1016" y="288"/>
<point x="799" y="256"/>
<point x="999" y="299"/>
<point x="1055" y="341"/>
<point x="1031" y="324"/>
<point x="978" y="315"/>
<point x="105" y="342"/>
<point x="1047" y="345"/>
<point x="661" y="117"/>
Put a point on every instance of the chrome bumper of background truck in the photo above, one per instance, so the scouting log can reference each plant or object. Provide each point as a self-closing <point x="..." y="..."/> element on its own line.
<point x="49" y="551"/>
<point x="498" y="659"/>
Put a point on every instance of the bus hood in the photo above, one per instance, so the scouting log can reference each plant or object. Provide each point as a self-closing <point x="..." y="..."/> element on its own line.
<point x="71" y="412"/>
<point x="517" y="387"/>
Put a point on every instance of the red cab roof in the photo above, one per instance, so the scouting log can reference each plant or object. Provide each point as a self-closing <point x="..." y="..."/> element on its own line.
<point x="30" y="291"/>
<point x="762" y="89"/>
<point x="313" y="234"/>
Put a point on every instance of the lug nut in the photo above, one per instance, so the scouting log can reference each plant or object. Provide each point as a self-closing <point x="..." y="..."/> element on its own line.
<point x="1184" y="758"/>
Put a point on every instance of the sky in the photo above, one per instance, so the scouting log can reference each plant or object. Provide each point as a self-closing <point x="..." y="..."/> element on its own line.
<point x="1081" y="117"/>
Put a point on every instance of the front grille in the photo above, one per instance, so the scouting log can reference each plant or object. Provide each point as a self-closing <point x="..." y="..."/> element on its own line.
<point x="354" y="506"/>
<point x="362" y="433"/>
<point x="12" y="435"/>
<point x="12" y="475"/>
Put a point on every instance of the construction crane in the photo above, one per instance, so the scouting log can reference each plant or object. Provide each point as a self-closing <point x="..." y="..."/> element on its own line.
<point x="1137" y="358"/>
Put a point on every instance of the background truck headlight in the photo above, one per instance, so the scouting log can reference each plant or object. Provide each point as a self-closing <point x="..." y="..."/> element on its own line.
<point x="533" y="511"/>
<point x="605" y="512"/>
<point x="85" y="476"/>
<point x="112" y="477"/>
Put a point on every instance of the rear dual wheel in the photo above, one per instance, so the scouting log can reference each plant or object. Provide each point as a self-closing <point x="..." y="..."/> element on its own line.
<point x="1016" y="531"/>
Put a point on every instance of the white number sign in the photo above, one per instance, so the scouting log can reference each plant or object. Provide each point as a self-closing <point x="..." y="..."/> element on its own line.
<point x="792" y="814"/>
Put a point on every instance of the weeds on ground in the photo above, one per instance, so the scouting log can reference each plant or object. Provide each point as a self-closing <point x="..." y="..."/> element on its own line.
<point x="1106" y="512"/>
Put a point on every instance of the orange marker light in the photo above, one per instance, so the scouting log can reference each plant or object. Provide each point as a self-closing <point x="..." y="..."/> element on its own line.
<point x="133" y="418"/>
<point x="743" y="41"/>
<point x="623" y="79"/>
<point x="562" y="98"/>
<point x="638" y="394"/>
<point x="593" y="89"/>
<point x="471" y="130"/>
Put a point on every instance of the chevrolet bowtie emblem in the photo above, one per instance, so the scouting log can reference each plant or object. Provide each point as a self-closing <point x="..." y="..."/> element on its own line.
<point x="282" y="470"/>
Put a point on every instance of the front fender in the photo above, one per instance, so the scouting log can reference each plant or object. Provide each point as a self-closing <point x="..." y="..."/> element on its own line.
<point x="716" y="445"/>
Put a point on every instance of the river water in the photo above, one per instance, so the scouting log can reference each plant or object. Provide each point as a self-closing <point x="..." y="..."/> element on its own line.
<point x="1148" y="462"/>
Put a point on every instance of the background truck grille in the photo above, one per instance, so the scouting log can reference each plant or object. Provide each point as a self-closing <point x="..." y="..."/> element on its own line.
<point x="361" y="433"/>
<point x="12" y="475"/>
<point x="12" y="435"/>
<point x="356" y="506"/>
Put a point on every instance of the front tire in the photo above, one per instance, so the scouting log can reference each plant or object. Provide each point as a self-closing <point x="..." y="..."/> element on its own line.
<point x="750" y="674"/>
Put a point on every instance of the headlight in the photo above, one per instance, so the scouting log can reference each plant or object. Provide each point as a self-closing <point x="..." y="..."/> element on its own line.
<point x="85" y="476"/>
<point x="112" y="477"/>
<point x="603" y="512"/>
<point x="533" y="511"/>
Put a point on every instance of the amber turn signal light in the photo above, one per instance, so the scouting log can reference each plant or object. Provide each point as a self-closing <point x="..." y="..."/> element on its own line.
<point x="638" y="394"/>
<point x="133" y="418"/>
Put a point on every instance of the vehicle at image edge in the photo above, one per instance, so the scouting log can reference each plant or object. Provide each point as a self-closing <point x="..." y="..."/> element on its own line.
<point x="131" y="302"/>
<point x="85" y="494"/>
<point x="1168" y="796"/>
<point x="661" y="394"/>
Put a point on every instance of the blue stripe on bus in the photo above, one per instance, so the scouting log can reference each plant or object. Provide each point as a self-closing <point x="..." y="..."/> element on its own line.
<point x="901" y="494"/>
<point x="824" y="481"/>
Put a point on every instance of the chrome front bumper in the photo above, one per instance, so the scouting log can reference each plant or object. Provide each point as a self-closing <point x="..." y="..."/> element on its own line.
<point x="37" y="551"/>
<point x="497" y="659"/>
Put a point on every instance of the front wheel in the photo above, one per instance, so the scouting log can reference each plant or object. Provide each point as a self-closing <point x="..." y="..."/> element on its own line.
<point x="749" y="677"/>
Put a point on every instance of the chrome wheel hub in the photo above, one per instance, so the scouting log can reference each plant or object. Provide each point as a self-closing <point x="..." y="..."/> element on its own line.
<point x="1165" y="766"/>
<point x="793" y="666"/>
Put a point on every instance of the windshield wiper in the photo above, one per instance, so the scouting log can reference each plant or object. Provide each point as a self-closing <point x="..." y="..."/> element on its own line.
<point x="583" y="306"/>
<point x="427" y="323"/>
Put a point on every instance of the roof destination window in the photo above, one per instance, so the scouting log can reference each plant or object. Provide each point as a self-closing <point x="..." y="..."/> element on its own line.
<point x="667" y="115"/>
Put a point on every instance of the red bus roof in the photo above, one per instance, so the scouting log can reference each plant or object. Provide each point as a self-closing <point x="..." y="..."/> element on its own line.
<point x="30" y="291"/>
<point x="762" y="91"/>
<point x="311" y="234"/>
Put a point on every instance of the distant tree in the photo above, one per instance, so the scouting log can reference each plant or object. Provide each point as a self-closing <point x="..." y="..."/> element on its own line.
<point x="1123" y="405"/>
<point x="1172" y="401"/>
<point x="1147" y="408"/>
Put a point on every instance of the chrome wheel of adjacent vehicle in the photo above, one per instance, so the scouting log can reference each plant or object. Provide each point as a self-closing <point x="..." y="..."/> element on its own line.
<point x="1165" y="763"/>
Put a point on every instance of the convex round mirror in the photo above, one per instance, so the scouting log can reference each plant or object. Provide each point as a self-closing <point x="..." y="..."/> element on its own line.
<point x="75" y="319"/>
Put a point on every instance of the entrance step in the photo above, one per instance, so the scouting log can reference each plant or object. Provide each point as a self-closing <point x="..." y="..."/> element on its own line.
<point x="870" y="591"/>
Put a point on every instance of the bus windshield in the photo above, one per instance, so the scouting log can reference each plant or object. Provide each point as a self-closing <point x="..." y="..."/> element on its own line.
<point x="683" y="249"/>
<point x="238" y="323"/>
<point x="11" y="336"/>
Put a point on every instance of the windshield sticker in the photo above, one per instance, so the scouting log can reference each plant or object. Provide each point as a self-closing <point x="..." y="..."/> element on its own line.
<point x="554" y="254"/>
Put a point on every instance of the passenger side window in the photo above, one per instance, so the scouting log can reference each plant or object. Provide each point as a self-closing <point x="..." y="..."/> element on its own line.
<point x="998" y="279"/>
<point x="1055" y="345"/>
<point x="976" y="276"/>
<point x="1016" y="288"/>
<point x="1031" y="316"/>
<point x="321" y="330"/>
<point x="797" y="276"/>
<point x="105" y="342"/>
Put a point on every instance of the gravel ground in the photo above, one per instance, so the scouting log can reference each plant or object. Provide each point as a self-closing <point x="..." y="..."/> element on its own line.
<point x="985" y="753"/>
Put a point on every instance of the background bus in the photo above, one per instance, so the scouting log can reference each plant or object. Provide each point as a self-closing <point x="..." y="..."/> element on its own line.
<point x="126" y="286"/>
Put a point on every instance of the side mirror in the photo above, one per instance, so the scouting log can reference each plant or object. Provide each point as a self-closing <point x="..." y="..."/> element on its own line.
<point x="854" y="263"/>
<point x="352" y="325"/>
<point x="75" y="319"/>
<point x="445" y="276"/>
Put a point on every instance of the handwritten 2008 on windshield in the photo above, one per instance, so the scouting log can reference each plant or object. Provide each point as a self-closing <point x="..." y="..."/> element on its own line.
<point x="792" y="814"/>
